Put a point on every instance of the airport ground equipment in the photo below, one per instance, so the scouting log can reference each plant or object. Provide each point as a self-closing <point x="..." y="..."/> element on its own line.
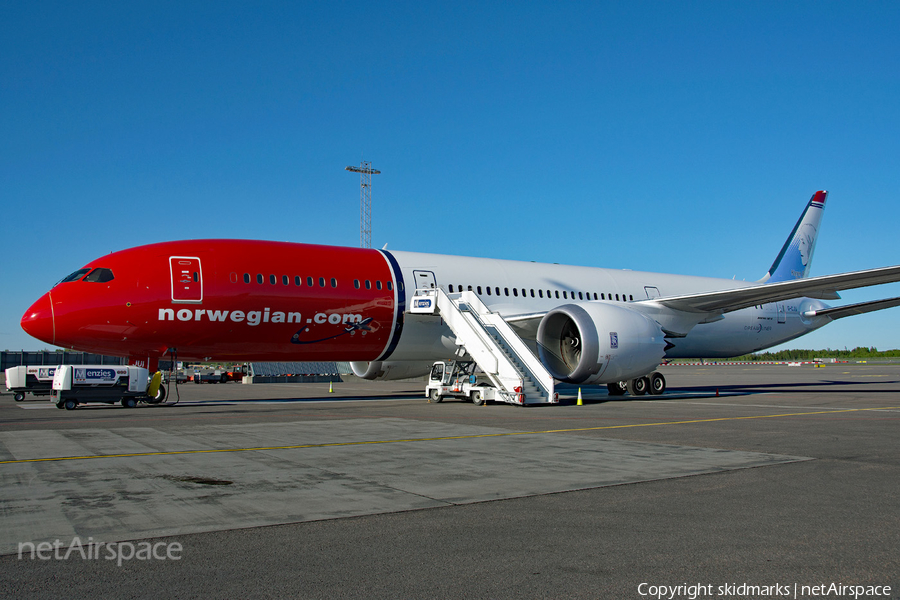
<point x="217" y="376"/>
<point x="517" y="375"/>
<point x="128" y="385"/>
<point x="457" y="379"/>
<point x="34" y="379"/>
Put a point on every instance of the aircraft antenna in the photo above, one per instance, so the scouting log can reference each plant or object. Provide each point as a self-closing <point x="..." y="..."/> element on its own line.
<point x="365" y="171"/>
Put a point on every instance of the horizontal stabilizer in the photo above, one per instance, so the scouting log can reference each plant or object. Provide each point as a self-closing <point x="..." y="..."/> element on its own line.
<point x="853" y="309"/>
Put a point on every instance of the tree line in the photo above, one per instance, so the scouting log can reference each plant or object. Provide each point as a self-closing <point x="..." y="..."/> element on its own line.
<point x="860" y="352"/>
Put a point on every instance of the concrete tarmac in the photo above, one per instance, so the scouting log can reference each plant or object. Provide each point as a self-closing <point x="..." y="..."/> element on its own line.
<point x="766" y="476"/>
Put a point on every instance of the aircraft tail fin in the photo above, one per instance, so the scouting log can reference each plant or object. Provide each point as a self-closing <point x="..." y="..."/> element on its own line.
<point x="795" y="258"/>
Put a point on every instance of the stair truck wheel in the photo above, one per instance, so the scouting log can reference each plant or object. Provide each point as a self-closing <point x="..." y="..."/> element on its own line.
<point x="638" y="386"/>
<point x="20" y="396"/>
<point x="477" y="399"/>
<point x="69" y="404"/>
<point x="435" y="396"/>
<point x="657" y="383"/>
<point x="129" y="402"/>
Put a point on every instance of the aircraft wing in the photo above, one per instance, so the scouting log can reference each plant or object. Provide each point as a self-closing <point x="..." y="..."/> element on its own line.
<point x="824" y="288"/>
<point x="853" y="309"/>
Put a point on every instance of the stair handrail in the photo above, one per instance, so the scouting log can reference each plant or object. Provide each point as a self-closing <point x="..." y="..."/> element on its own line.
<point x="532" y="364"/>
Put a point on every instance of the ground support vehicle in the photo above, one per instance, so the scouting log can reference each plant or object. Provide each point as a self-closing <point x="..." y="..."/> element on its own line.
<point x="456" y="379"/>
<point x="128" y="385"/>
<point x="217" y="376"/>
<point x="38" y="380"/>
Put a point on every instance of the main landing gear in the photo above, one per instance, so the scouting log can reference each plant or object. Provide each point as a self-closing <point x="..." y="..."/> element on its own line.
<point x="654" y="384"/>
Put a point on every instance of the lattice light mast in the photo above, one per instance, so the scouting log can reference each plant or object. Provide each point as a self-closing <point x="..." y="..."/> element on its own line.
<point x="365" y="171"/>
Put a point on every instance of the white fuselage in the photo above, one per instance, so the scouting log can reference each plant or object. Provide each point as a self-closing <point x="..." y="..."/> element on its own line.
<point x="514" y="288"/>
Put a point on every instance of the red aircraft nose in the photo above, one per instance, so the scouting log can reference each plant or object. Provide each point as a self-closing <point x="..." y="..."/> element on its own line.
<point x="38" y="320"/>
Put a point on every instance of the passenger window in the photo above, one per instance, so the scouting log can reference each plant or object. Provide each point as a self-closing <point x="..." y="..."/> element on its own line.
<point x="285" y="280"/>
<point x="390" y="285"/>
<point x="506" y="291"/>
<point x="497" y="291"/>
<point x="272" y="279"/>
<point x="356" y="283"/>
<point x="557" y="294"/>
<point x="451" y="288"/>
<point x="321" y="282"/>
<point x="259" y="278"/>
<point x="532" y="293"/>
<point x="617" y="297"/>
<point x="233" y="277"/>
<point x="580" y="297"/>
<point x="333" y="282"/>
<point x="309" y="281"/>
<point x="488" y="288"/>
<point x="246" y="277"/>
<point x="565" y="295"/>
<point x="297" y="280"/>
<point x="368" y="284"/>
<point x="541" y="293"/>
<point x="515" y="292"/>
<point x="470" y="288"/>
<point x="479" y="290"/>
<point x="377" y="284"/>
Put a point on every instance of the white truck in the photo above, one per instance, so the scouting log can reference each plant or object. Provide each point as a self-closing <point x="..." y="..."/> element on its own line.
<point x="78" y="384"/>
<point x="456" y="379"/>
<point x="35" y="379"/>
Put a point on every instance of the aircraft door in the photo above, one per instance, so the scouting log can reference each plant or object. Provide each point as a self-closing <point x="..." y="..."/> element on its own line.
<point x="780" y="308"/>
<point x="187" y="279"/>
<point x="424" y="279"/>
<point x="652" y="292"/>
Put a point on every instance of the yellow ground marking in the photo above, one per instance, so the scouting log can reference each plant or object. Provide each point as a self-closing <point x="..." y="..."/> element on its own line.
<point x="436" y="439"/>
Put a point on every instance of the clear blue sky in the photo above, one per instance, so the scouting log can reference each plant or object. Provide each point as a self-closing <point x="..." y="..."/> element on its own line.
<point x="679" y="137"/>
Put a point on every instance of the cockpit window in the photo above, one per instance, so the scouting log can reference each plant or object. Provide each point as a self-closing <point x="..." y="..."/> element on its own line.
<point x="74" y="276"/>
<point x="100" y="276"/>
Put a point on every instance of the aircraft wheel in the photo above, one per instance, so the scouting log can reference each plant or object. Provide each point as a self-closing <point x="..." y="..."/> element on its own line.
<point x="477" y="399"/>
<point x="638" y="386"/>
<point x="20" y="396"/>
<point x="70" y="404"/>
<point x="129" y="402"/>
<point x="657" y="383"/>
<point x="616" y="389"/>
<point x="160" y="396"/>
<point x="435" y="397"/>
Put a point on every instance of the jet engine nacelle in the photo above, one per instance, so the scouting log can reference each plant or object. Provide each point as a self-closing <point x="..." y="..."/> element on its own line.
<point x="390" y="370"/>
<point x="599" y="343"/>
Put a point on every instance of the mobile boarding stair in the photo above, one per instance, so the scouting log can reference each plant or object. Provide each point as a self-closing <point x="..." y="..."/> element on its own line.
<point x="496" y="348"/>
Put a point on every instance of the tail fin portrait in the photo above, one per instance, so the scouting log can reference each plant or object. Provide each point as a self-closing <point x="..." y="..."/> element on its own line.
<point x="795" y="258"/>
